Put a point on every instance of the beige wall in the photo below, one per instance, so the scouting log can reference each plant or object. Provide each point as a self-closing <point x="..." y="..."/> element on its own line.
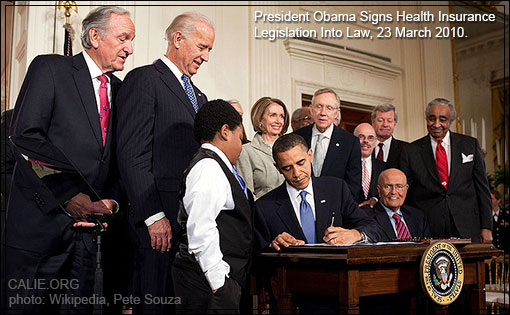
<point x="246" y="68"/>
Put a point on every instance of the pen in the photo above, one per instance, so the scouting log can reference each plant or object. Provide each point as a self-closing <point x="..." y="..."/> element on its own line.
<point x="332" y="218"/>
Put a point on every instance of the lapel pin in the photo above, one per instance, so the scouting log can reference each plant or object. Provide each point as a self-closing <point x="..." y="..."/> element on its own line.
<point x="323" y="201"/>
<point x="337" y="144"/>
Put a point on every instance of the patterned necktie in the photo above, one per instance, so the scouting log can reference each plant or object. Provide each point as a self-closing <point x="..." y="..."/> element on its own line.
<point x="240" y="180"/>
<point x="189" y="91"/>
<point x="442" y="164"/>
<point x="318" y="156"/>
<point x="365" y="178"/>
<point x="402" y="232"/>
<point x="104" y="111"/>
<point x="307" y="219"/>
<point x="380" y="154"/>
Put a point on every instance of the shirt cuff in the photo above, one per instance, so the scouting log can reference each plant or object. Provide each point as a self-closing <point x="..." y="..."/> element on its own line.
<point x="216" y="275"/>
<point x="153" y="218"/>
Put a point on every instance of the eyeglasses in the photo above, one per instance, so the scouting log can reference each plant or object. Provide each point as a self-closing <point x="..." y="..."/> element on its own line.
<point x="369" y="138"/>
<point x="397" y="187"/>
<point x="308" y="118"/>
<point x="329" y="109"/>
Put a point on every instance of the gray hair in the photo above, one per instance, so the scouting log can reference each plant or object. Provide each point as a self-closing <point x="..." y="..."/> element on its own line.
<point x="296" y="113"/>
<point x="324" y="91"/>
<point x="98" y="19"/>
<point x="441" y="101"/>
<point x="384" y="108"/>
<point x="186" y="24"/>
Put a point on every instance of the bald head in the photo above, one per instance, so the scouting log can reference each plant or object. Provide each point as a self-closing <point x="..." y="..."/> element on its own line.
<point x="366" y="135"/>
<point x="392" y="187"/>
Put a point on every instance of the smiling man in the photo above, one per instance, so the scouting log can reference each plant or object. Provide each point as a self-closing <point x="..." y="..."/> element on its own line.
<point x="155" y="119"/>
<point x="306" y="209"/>
<point x="447" y="178"/>
<point x="396" y="220"/>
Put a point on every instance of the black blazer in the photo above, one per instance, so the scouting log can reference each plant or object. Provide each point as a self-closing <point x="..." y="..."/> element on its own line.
<point x="155" y="140"/>
<point x="467" y="198"/>
<point x="274" y="213"/>
<point x="343" y="159"/>
<point x="416" y="222"/>
<point x="377" y="168"/>
<point x="396" y="148"/>
<point x="56" y="108"/>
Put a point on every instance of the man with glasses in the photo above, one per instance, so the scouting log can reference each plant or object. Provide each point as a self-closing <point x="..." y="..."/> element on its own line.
<point x="370" y="168"/>
<point x="336" y="152"/>
<point x="301" y="118"/>
<point x="395" y="220"/>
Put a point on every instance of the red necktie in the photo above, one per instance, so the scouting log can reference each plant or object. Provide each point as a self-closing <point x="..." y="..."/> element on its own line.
<point x="402" y="232"/>
<point x="380" y="155"/>
<point x="442" y="164"/>
<point x="104" y="112"/>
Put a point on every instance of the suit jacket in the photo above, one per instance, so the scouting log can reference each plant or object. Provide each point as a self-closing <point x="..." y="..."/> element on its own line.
<point x="155" y="141"/>
<point x="416" y="222"/>
<point x="343" y="159"/>
<point x="56" y="110"/>
<point x="256" y="166"/>
<point x="274" y="213"/>
<point x="467" y="199"/>
<point x="396" y="148"/>
<point x="500" y="229"/>
<point x="377" y="168"/>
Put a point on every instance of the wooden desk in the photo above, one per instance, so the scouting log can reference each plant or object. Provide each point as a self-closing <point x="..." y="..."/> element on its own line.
<point x="353" y="272"/>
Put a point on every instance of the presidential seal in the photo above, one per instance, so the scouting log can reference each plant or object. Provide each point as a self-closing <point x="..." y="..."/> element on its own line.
<point x="442" y="272"/>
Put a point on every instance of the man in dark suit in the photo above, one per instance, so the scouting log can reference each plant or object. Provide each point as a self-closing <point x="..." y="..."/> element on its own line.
<point x="306" y="209"/>
<point x="335" y="151"/>
<point x="390" y="209"/>
<point x="65" y="105"/>
<point x="387" y="148"/>
<point x="447" y="178"/>
<point x="370" y="167"/>
<point x="155" y="145"/>
<point x="499" y="221"/>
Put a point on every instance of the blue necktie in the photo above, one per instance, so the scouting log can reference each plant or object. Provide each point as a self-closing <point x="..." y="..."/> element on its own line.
<point x="240" y="180"/>
<point x="307" y="220"/>
<point x="189" y="91"/>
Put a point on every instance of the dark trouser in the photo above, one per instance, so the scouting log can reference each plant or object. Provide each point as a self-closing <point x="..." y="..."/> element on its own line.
<point x="60" y="283"/>
<point x="196" y="296"/>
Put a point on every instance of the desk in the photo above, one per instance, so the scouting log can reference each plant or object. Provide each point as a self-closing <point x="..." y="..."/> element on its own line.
<point x="357" y="271"/>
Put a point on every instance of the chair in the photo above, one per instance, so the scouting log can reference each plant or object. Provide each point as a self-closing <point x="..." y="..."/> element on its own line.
<point x="496" y="291"/>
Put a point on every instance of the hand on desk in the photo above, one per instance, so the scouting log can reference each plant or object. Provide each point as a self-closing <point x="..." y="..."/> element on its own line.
<point x="340" y="236"/>
<point x="285" y="239"/>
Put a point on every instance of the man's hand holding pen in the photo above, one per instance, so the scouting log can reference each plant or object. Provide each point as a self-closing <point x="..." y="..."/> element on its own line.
<point x="340" y="236"/>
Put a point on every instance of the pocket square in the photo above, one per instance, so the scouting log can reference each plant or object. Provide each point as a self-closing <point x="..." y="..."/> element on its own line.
<point x="467" y="158"/>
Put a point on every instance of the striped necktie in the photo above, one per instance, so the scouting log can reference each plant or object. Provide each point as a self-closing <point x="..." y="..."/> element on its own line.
<point x="402" y="232"/>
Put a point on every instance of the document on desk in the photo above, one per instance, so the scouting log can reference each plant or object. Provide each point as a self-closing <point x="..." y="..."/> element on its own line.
<point x="359" y="244"/>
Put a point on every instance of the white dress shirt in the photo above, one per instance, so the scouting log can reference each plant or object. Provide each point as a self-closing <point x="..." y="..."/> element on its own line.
<point x="327" y="137"/>
<point x="208" y="192"/>
<point x="446" y="145"/>
<point x="295" y="199"/>
<point x="390" y="213"/>
<point x="385" y="149"/>
<point x="94" y="73"/>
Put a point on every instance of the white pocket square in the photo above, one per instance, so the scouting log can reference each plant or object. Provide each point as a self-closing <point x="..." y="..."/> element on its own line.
<point x="467" y="158"/>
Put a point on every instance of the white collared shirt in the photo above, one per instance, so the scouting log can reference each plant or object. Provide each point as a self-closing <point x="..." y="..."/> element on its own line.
<point x="94" y="73"/>
<point x="208" y="192"/>
<point x="178" y="74"/>
<point x="385" y="149"/>
<point x="325" y="142"/>
<point x="295" y="199"/>
<point x="446" y="145"/>
<point x="390" y="213"/>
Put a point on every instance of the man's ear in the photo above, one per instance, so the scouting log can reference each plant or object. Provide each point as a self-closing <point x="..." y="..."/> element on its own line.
<point x="177" y="39"/>
<point x="310" y="154"/>
<point x="94" y="37"/>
